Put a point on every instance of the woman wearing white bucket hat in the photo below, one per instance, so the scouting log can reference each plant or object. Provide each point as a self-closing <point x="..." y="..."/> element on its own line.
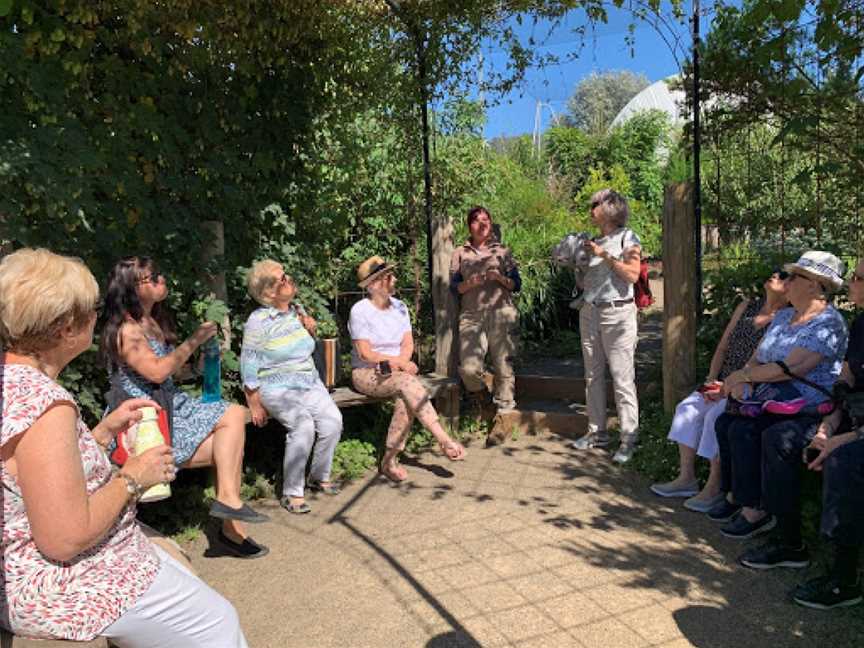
<point x="802" y="350"/>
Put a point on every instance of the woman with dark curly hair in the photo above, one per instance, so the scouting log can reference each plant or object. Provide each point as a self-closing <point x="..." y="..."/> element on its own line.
<point x="139" y="346"/>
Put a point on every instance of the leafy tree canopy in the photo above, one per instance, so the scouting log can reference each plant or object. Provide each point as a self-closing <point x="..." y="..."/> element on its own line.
<point x="600" y="96"/>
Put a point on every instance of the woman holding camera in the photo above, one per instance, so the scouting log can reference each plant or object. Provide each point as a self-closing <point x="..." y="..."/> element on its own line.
<point x="837" y="450"/>
<point x="381" y="360"/>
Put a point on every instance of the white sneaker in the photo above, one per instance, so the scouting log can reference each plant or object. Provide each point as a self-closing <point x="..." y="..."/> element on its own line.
<point x="624" y="453"/>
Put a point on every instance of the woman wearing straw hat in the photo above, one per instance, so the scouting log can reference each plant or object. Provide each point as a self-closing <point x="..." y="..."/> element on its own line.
<point x="381" y="360"/>
<point x="803" y="351"/>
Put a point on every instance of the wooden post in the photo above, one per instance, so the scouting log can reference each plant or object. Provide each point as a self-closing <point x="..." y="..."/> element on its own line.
<point x="680" y="298"/>
<point x="215" y="249"/>
<point x="446" y="315"/>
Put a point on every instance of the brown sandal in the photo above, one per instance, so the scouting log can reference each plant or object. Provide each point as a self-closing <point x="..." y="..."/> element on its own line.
<point x="453" y="450"/>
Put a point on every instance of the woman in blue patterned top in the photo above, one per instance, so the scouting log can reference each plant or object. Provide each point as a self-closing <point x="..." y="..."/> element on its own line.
<point x="808" y="341"/>
<point x="140" y="348"/>
<point x="279" y="378"/>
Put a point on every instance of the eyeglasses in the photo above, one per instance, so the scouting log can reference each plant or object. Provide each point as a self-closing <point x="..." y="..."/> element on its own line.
<point x="782" y="275"/>
<point x="155" y="279"/>
<point x="794" y="275"/>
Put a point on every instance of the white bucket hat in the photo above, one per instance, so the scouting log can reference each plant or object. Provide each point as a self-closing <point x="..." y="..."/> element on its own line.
<point x="820" y="266"/>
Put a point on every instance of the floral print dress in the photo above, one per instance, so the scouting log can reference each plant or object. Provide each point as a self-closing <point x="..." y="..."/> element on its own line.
<point x="79" y="598"/>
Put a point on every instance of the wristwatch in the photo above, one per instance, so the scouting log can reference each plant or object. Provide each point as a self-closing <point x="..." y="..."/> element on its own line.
<point x="132" y="486"/>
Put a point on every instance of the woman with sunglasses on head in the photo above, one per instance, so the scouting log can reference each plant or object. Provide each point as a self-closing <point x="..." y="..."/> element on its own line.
<point x="693" y="424"/>
<point x="837" y="450"/>
<point x="76" y="563"/>
<point x="607" y="323"/>
<point x="139" y="346"/>
<point x="796" y="363"/>
<point x="280" y="378"/>
<point x="381" y="359"/>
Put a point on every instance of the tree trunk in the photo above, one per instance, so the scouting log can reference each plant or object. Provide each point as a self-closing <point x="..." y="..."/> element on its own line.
<point x="214" y="231"/>
<point x="680" y="298"/>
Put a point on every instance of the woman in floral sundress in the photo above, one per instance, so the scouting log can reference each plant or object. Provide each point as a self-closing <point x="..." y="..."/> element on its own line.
<point x="138" y="345"/>
<point x="76" y="564"/>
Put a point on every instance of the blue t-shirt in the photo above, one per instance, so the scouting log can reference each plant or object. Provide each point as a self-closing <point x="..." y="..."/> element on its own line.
<point x="825" y="334"/>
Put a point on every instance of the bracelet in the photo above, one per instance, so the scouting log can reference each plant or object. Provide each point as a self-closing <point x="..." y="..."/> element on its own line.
<point x="133" y="488"/>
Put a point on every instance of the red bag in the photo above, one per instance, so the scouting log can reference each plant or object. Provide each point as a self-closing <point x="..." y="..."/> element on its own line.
<point x="642" y="288"/>
<point x="126" y="441"/>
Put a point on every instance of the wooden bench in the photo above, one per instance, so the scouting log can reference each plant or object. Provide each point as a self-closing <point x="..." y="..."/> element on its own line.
<point x="8" y="640"/>
<point x="444" y="388"/>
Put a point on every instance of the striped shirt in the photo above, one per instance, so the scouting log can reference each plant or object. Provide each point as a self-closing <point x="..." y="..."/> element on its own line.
<point x="277" y="351"/>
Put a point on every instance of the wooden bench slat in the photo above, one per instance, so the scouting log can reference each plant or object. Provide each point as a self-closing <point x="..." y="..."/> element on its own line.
<point x="347" y="397"/>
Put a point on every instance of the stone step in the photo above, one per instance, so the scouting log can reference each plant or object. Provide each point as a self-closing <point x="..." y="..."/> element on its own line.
<point x="556" y="418"/>
<point x="530" y="387"/>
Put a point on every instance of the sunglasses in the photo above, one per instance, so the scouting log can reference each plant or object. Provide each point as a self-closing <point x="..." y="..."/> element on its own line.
<point x="782" y="275"/>
<point x="155" y="279"/>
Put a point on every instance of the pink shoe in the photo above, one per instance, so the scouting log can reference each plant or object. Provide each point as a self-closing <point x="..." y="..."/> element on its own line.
<point x="786" y="408"/>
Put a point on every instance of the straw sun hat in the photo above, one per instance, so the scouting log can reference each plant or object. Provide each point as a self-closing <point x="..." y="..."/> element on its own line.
<point x="372" y="268"/>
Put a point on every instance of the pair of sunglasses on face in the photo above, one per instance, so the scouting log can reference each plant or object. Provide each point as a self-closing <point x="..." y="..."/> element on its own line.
<point x="153" y="278"/>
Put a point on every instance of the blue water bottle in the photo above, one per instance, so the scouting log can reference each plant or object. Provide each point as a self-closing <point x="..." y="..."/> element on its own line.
<point x="212" y="392"/>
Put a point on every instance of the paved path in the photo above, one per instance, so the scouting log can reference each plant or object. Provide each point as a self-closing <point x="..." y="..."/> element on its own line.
<point x="527" y="545"/>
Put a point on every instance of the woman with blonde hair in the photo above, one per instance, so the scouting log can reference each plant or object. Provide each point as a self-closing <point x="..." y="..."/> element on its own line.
<point x="381" y="359"/>
<point x="76" y="563"/>
<point x="280" y="378"/>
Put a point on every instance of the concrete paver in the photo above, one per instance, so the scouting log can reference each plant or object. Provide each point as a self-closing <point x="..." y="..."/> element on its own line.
<point x="532" y="544"/>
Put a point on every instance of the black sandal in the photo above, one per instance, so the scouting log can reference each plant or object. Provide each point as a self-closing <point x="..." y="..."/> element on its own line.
<point x="246" y="549"/>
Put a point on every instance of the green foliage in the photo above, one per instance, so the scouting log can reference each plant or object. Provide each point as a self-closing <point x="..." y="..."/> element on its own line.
<point x="353" y="458"/>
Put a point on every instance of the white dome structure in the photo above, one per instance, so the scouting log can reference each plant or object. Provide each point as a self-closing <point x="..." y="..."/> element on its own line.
<point x="657" y="96"/>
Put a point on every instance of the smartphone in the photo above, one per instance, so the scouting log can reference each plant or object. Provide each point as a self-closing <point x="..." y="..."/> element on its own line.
<point x="384" y="368"/>
<point x="810" y="454"/>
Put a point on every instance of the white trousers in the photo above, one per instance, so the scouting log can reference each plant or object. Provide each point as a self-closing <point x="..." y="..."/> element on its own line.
<point x="179" y="609"/>
<point x="610" y="335"/>
<point x="313" y="426"/>
<point x="693" y="424"/>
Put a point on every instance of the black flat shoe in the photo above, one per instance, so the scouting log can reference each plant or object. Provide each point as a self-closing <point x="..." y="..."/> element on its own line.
<point x="243" y="514"/>
<point x="724" y="511"/>
<point x="247" y="549"/>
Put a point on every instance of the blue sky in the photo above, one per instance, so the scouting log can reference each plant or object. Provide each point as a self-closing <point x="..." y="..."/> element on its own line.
<point x="604" y="49"/>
